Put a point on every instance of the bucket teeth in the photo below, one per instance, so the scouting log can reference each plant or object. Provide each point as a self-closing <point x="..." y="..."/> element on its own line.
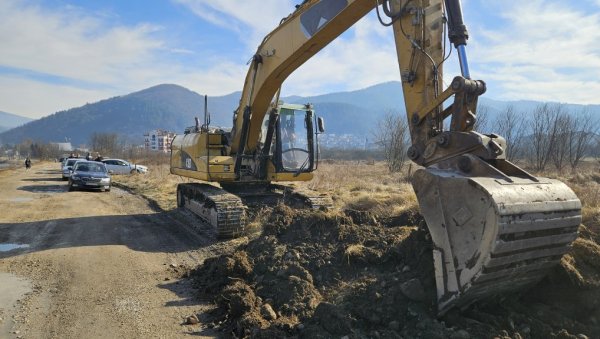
<point x="491" y="235"/>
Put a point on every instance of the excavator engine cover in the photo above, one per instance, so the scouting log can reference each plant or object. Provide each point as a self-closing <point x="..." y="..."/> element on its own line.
<point x="493" y="235"/>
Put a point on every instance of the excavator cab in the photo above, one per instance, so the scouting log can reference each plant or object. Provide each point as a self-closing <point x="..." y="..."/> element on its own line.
<point x="295" y="147"/>
<point x="290" y="146"/>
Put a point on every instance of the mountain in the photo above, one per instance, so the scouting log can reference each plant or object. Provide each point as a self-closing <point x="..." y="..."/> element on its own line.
<point x="172" y="107"/>
<point x="167" y="107"/>
<point x="9" y="120"/>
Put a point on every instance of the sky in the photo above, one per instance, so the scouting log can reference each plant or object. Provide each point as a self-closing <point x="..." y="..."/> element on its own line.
<point x="59" y="54"/>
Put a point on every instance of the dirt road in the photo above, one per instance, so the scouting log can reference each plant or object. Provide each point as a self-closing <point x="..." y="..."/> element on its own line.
<point x="92" y="264"/>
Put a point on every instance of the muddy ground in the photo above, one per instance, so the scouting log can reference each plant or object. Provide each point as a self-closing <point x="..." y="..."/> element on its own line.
<point x="347" y="275"/>
<point x="91" y="264"/>
<point x="109" y="265"/>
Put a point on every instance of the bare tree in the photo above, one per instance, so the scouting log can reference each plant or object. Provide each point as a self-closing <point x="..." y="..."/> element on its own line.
<point x="581" y="137"/>
<point x="392" y="136"/>
<point x="482" y="121"/>
<point x="564" y="129"/>
<point x="545" y="129"/>
<point x="511" y="126"/>
<point x="105" y="143"/>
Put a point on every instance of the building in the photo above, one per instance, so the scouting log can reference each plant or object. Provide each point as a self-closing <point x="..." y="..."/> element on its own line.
<point x="63" y="146"/>
<point x="158" y="140"/>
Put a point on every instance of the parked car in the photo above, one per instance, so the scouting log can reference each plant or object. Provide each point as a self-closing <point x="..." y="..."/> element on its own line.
<point x="120" y="166"/>
<point x="89" y="175"/>
<point x="68" y="166"/>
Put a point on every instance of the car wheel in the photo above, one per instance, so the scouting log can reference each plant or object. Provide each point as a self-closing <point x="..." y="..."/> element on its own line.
<point x="71" y="188"/>
<point x="133" y="171"/>
<point x="107" y="190"/>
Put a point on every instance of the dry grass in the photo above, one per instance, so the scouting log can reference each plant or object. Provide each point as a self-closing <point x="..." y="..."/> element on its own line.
<point x="159" y="185"/>
<point x="365" y="187"/>
<point x="352" y="185"/>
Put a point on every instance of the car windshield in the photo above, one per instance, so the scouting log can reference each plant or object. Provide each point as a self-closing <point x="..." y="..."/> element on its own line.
<point x="70" y="162"/>
<point x="89" y="167"/>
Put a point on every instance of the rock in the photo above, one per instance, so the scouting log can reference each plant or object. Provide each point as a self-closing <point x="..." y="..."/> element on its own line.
<point x="300" y="326"/>
<point x="413" y="290"/>
<point x="405" y="268"/>
<point x="267" y="312"/>
<point x="345" y="337"/>
<point x="461" y="334"/>
<point x="394" y="325"/>
<point x="526" y="330"/>
<point x="173" y="265"/>
<point x="192" y="320"/>
<point x="582" y="336"/>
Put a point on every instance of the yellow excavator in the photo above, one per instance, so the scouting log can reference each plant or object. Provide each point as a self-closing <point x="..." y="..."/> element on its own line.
<point x="495" y="228"/>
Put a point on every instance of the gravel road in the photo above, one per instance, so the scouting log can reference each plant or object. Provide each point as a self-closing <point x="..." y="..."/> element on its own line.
<point x="93" y="264"/>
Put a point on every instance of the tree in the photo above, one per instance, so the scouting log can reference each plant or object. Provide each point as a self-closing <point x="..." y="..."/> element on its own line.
<point x="545" y="127"/>
<point x="392" y="136"/>
<point x="582" y="135"/>
<point x="105" y="143"/>
<point x="482" y="120"/>
<point x="565" y="125"/>
<point x="511" y="126"/>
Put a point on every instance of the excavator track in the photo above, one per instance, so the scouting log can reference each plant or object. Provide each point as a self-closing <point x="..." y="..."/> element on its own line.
<point x="224" y="211"/>
<point x="500" y="236"/>
<point x="308" y="198"/>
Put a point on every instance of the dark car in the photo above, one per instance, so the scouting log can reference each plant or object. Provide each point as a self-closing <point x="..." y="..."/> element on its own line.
<point x="89" y="175"/>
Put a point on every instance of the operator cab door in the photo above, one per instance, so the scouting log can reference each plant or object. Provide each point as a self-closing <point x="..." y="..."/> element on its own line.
<point x="294" y="134"/>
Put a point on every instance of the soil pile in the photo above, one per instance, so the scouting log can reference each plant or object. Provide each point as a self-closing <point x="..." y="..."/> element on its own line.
<point x="321" y="275"/>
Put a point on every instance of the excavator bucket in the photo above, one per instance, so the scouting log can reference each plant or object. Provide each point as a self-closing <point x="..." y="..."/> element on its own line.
<point x="493" y="235"/>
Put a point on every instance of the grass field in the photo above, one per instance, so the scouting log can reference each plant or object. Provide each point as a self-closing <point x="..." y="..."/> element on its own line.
<point x="366" y="187"/>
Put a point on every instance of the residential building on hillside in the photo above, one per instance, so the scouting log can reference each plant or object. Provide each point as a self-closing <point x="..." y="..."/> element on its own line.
<point x="158" y="140"/>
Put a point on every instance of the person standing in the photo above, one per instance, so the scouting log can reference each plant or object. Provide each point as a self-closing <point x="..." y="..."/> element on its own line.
<point x="27" y="163"/>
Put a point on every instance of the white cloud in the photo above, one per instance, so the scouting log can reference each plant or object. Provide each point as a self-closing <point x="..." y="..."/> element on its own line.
<point x="546" y="51"/>
<point x="549" y="51"/>
<point x="70" y="45"/>
<point x="355" y="61"/>
<point x="26" y="97"/>
<point x="251" y="19"/>
<point x="65" y="57"/>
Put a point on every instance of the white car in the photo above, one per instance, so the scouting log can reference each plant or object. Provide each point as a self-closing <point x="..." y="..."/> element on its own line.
<point x="68" y="167"/>
<point x="120" y="166"/>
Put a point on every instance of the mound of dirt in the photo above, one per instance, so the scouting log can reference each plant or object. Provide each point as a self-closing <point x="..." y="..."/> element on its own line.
<point x="313" y="274"/>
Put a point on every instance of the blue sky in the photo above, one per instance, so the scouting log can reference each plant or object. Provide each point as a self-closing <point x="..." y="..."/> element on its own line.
<point x="58" y="54"/>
